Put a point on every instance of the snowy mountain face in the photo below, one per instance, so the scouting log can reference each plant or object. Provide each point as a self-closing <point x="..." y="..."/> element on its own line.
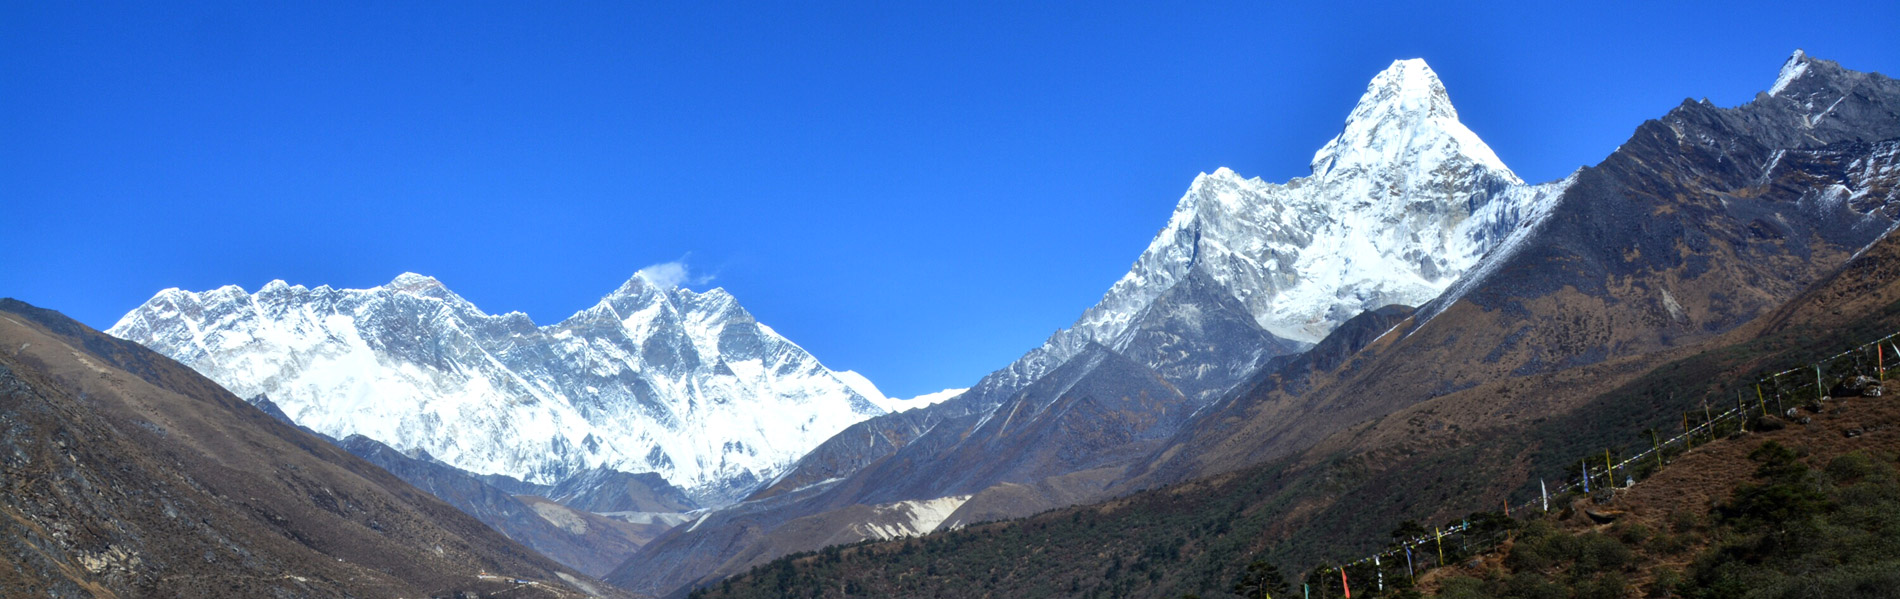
<point x="650" y="379"/>
<point x="1400" y="204"/>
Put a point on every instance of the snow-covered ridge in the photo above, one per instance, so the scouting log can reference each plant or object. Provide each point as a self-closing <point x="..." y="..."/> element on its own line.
<point x="1794" y="68"/>
<point x="1404" y="116"/>
<point x="649" y="379"/>
<point x="1399" y="205"/>
<point x="894" y="404"/>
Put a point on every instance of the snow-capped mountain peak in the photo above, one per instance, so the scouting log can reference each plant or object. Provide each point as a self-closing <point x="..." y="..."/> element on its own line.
<point x="651" y="378"/>
<point x="1405" y="120"/>
<point x="1401" y="202"/>
<point x="407" y="282"/>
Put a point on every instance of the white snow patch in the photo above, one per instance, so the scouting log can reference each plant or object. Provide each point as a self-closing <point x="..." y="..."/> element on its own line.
<point x="928" y="399"/>
<point x="1791" y="70"/>
<point x="666" y="518"/>
<point x="864" y="387"/>
<point x="912" y="518"/>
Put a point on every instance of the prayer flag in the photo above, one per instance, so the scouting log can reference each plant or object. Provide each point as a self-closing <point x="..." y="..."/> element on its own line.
<point x="1440" y="535"/>
<point x="1376" y="568"/>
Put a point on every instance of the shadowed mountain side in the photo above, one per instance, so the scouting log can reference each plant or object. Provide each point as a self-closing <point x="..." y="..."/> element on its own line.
<point x="1863" y="287"/>
<point x="1100" y="409"/>
<point x="862" y="443"/>
<point x="1201" y="339"/>
<point x="586" y="542"/>
<point x="128" y="474"/>
<point x="1296" y="371"/>
<point x="1432" y="462"/>
<point x="608" y="490"/>
<point x="1078" y="423"/>
<point x="1076" y="426"/>
<point x="1704" y="220"/>
<point x="1474" y="449"/>
<point x="1693" y="227"/>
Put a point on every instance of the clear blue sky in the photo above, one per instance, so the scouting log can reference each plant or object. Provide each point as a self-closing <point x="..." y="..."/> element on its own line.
<point x="919" y="191"/>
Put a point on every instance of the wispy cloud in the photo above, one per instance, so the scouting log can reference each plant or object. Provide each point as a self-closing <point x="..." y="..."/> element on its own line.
<point x="673" y="274"/>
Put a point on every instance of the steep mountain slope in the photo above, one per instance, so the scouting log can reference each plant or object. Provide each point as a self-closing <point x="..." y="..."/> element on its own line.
<point x="1563" y="347"/>
<point x="604" y="490"/>
<point x="1400" y="204"/>
<point x="128" y="474"/>
<point x="665" y="380"/>
<point x="1679" y="524"/>
<point x="571" y="535"/>
<point x="1699" y="223"/>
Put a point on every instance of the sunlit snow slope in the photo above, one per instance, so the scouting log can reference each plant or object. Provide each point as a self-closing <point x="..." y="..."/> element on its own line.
<point x="650" y="379"/>
<point x="1400" y="204"/>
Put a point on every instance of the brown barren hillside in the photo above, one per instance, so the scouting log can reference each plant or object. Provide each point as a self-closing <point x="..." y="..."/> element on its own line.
<point x="1433" y="462"/>
<point x="1680" y="525"/>
<point x="129" y="475"/>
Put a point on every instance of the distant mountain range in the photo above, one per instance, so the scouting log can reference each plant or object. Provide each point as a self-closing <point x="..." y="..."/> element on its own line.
<point x="654" y="379"/>
<point x="129" y="475"/>
<point x="1317" y="353"/>
<point x="1401" y="204"/>
<point x="1712" y="244"/>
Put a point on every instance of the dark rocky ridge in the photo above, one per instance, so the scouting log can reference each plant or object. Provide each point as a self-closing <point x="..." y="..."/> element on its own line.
<point x="1700" y="223"/>
<point x="584" y="541"/>
<point x="127" y="474"/>
<point x="593" y="545"/>
<point x="609" y="490"/>
<point x="1773" y="256"/>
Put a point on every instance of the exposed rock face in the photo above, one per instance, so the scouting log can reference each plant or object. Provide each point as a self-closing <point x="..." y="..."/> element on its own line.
<point x="1713" y="244"/>
<point x="584" y="541"/>
<point x="128" y="474"/>
<point x="651" y="379"/>
<point x="588" y="542"/>
<point x="1401" y="204"/>
<point x="1704" y="220"/>
<point x="604" y="490"/>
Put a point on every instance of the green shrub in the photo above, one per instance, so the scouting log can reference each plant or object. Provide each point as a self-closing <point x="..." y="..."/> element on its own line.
<point x="1683" y="521"/>
<point x="1670" y="544"/>
<point x="1464" y="587"/>
<point x="1789" y="494"/>
<point x="1608" y="586"/>
<point x="1597" y="552"/>
<point x="1850" y="467"/>
<point x="1632" y="533"/>
<point x="1880" y="580"/>
<point x="1531" y="585"/>
<point x="1664" y="584"/>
